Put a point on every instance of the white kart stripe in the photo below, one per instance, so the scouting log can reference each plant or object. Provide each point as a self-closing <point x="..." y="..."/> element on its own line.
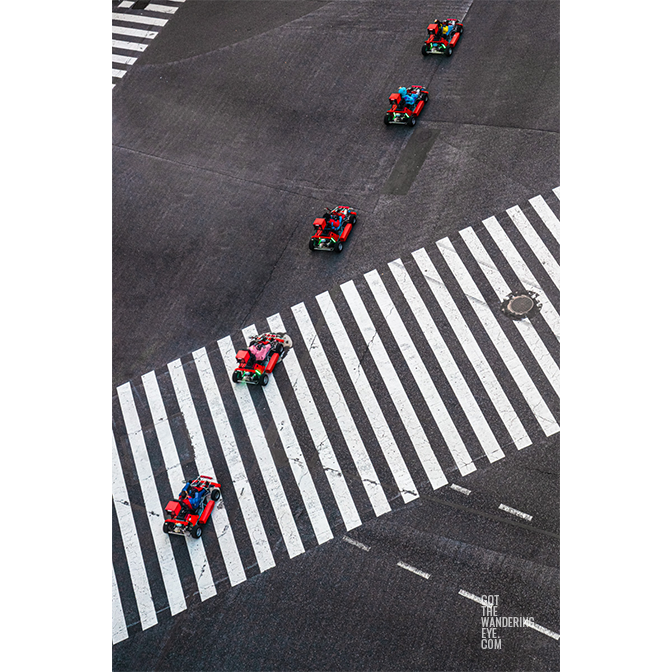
<point x="492" y="386"/>
<point x="524" y="274"/>
<point x="124" y="60"/>
<point x="395" y="387"/>
<point x="297" y="461"/>
<point x="269" y="473"/>
<point x="547" y="215"/>
<point x="133" y="18"/>
<point x="227" y="543"/>
<point x="502" y="289"/>
<point x="556" y="191"/>
<point x="536" y="243"/>
<point x="134" y="32"/>
<point x="129" y="538"/>
<point x="150" y="495"/>
<point x="318" y="433"/>
<point x="446" y="363"/>
<point x="386" y="440"/>
<point x="119" y="631"/>
<point x="129" y="46"/>
<point x="499" y="339"/>
<point x="197" y="555"/>
<point x="345" y="421"/>
<point x="424" y="381"/>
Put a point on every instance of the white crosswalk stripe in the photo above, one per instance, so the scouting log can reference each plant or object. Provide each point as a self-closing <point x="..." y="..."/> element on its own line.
<point x="306" y="414"/>
<point x="142" y="24"/>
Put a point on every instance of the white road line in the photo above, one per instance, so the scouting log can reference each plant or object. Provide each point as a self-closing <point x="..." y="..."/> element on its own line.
<point x="318" y="433"/>
<point x="459" y="488"/>
<point x="129" y="46"/>
<point x="374" y="413"/>
<point x="297" y="461"/>
<point x="134" y="32"/>
<point x="134" y="18"/>
<point x="220" y="519"/>
<point x="269" y="473"/>
<point x="131" y="543"/>
<point x="359" y="544"/>
<point x="344" y="418"/>
<point x="475" y="598"/>
<point x="150" y="495"/>
<point x="410" y="568"/>
<point x="499" y="339"/>
<point x="547" y="215"/>
<point x="395" y="387"/>
<point x="445" y="362"/>
<point x="125" y="4"/>
<point x="118" y="73"/>
<point x="119" y="631"/>
<point x="536" y="243"/>
<point x="492" y="386"/>
<point x="197" y="555"/>
<point x="153" y="7"/>
<point x="556" y="191"/>
<point x="524" y="274"/>
<point x="502" y="289"/>
<point x="124" y="60"/>
<point x="424" y="381"/>
<point x="515" y="512"/>
<point x="539" y="628"/>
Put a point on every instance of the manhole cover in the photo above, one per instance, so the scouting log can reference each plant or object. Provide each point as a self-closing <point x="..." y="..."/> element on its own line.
<point x="518" y="305"/>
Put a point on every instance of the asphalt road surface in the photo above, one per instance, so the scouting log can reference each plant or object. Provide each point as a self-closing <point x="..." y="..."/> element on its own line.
<point x="232" y="131"/>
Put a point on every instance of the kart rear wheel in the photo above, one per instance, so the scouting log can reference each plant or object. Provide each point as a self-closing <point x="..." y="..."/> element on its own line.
<point x="449" y="51"/>
<point x="196" y="531"/>
<point x="216" y="494"/>
<point x="263" y="380"/>
<point x="236" y="377"/>
<point x="411" y="121"/>
<point x="386" y="121"/>
<point x="167" y="527"/>
<point x="424" y="50"/>
<point x="311" y="244"/>
<point x="338" y="248"/>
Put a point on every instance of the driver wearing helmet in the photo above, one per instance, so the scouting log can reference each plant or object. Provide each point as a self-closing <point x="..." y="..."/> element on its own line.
<point x="191" y="496"/>
<point x="258" y="352"/>
<point x="409" y="98"/>
<point x="335" y="222"/>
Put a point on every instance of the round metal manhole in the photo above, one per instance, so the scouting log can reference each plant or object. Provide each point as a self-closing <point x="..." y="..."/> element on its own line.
<point x="518" y="305"/>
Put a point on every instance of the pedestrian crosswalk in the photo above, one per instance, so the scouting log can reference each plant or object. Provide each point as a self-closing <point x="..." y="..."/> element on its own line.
<point x="399" y="382"/>
<point x="135" y="23"/>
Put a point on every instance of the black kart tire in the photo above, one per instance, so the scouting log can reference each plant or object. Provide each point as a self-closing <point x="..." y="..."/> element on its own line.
<point x="411" y="121"/>
<point x="386" y="121"/>
<point x="338" y="248"/>
<point x="167" y="527"/>
<point x="236" y="376"/>
<point x="449" y="51"/>
<point x="353" y="219"/>
<point x="311" y="244"/>
<point x="196" y="531"/>
<point x="263" y="381"/>
<point x="424" y="50"/>
<point x="216" y="494"/>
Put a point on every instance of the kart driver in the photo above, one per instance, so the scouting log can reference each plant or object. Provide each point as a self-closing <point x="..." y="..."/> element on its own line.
<point x="409" y="98"/>
<point x="448" y="29"/>
<point x="192" y="496"/>
<point x="335" y="222"/>
<point x="258" y="353"/>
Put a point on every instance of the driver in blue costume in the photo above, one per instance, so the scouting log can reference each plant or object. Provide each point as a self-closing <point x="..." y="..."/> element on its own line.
<point x="192" y="496"/>
<point x="335" y="221"/>
<point x="409" y="98"/>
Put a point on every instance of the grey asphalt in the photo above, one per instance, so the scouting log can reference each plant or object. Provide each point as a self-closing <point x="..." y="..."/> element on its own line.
<point x="231" y="133"/>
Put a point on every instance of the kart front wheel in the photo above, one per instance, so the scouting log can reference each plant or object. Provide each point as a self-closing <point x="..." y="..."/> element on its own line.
<point x="353" y="220"/>
<point x="216" y="494"/>
<point x="196" y="531"/>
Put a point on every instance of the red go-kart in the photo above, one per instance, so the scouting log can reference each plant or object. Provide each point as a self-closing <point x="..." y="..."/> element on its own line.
<point x="191" y="510"/>
<point x="261" y="357"/>
<point x="400" y="112"/>
<point x="333" y="229"/>
<point x="443" y="36"/>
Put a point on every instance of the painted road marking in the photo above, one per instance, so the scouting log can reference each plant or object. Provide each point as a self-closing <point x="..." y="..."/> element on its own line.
<point x="539" y="628"/>
<point x="227" y="543"/>
<point x="395" y="387"/>
<point x="318" y="433"/>
<point x="297" y="461"/>
<point x="546" y="215"/>
<point x="197" y="555"/>
<point x="118" y="73"/>
<point x="150" y="496"/>
<point x="134" y="32"/>
<point x="524" y="274"/>
<point x="425" y="383"/>
<point x="524" y="327"/>
<point x="269" y="472"/>
<point x="535" y="242"/>
<point x="515" y="512"/>
<point x="134" y="18"/>
<point x="446" y="363"/>
<point x="475" y="598"/>
<point x="374" y="413"/>
<point x="492" y="386"/>
<point x="153" y="7"/>
<point x="556" y="191"/>
<point x="410" y="568"/>
<point x="353" y="440"/>
<point x="459" y="488"/>
<point x="124" y="60"/>
<point x="129" y="46"/>
<point x="354" y="542"/>
<point x="119" y="631"/>
<point x="499" y="338"/>
<point x="131" y="543"/>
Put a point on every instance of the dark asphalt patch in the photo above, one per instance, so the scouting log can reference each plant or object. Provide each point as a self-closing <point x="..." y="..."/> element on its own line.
<point x="410" y="161"/>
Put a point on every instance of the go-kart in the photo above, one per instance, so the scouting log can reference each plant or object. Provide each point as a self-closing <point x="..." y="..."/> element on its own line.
<point x="443" y="36"/>
<point x="400" y="112"/>
<point x="261" y="357"/>
<point x="191" y="510"/>
<point x="326" y="237"/>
